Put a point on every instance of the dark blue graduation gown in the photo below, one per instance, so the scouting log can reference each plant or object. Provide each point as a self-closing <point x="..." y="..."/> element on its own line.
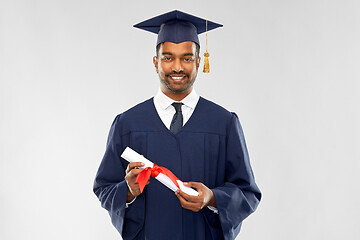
<point x="210" y="148"/>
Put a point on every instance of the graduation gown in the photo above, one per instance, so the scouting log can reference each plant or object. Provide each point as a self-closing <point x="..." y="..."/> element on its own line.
<point x="210" y="148"/>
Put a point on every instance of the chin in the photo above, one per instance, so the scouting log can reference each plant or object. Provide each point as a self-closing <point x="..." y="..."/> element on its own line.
<point x="179" y="89"/>
<point x="175" y="87"/>
<point x="176" y="90"/>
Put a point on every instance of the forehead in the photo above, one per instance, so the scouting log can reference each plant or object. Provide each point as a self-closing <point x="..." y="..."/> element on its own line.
<point x="178" y="48"/>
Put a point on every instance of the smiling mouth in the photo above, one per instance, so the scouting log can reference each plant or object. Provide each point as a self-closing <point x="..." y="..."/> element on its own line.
<point x="177" y="77"/>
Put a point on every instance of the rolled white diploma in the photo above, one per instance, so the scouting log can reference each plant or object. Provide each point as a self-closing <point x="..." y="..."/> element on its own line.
<point x="132" y="156"/>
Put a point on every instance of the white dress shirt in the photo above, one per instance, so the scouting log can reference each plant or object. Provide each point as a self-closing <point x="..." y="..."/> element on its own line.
<point x="166" y="111"/>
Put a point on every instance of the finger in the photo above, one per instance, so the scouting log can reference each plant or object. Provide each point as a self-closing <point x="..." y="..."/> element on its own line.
<point x="134" y="186"/>
<point x="188" y="205"/>
<point x="131" y="176"/>
<point x="133" y="165"/>
<point x="135" y="172"/>
<point x="197" y="185"/>
<point x="190" y="198"/>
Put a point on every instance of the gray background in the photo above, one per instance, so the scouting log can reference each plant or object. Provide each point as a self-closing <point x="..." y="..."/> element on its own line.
<point x="290" y="69"/>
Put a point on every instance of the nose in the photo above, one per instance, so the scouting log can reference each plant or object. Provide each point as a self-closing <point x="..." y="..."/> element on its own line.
<point x="177" y="65"/>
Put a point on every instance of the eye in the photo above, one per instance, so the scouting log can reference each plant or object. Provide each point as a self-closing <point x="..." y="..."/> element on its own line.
<point x="166" y="59"/>
<point x="188" y="59"/>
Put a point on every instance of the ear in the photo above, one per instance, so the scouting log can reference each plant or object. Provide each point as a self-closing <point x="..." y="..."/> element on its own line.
<point x="198" y="62"/>
<point x="155" y="61"/>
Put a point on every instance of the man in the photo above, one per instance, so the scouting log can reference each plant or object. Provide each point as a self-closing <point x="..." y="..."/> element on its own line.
<point x="199" y="141"/>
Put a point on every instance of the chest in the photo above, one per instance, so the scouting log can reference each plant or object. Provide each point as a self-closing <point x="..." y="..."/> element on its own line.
<point x="191" y="156"/>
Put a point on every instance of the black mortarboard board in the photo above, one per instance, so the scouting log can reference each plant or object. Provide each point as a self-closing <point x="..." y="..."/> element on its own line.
<point x="177" y="26"/>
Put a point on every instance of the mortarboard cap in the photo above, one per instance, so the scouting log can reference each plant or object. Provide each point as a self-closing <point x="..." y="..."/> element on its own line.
<point x="177" y="27"/>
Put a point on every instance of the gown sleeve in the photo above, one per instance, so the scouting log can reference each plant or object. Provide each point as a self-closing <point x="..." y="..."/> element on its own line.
<point x="111" y="188"/>
<point x="239" y="196"/>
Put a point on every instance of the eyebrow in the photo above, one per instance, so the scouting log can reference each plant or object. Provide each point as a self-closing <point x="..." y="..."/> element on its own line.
<point x="169" y="53"/>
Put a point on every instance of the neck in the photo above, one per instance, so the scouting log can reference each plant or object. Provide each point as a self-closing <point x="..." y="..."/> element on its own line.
<point x="176" y="96"/>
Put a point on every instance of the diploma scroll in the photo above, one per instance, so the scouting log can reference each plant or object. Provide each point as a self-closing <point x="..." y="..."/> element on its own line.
<point x="132" y="156"/>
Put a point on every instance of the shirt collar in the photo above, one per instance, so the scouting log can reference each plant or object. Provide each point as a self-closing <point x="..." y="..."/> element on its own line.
<point x="164" y="101"/>
<point x="191" y="100"/>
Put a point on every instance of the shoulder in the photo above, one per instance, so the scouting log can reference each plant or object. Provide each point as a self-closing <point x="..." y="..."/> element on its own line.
<point x="215" y="110"/>
<point x="141" y="109"/>
<point x="134" y="117"/>
<point x="212" y="118"/>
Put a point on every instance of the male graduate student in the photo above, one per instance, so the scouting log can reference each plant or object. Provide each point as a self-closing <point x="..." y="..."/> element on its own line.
<point x="200" y="142"/>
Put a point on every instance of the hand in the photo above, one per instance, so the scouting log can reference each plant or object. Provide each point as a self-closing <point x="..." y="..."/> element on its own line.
<point x="132" y="172"/>
<point x="196" y="203"/>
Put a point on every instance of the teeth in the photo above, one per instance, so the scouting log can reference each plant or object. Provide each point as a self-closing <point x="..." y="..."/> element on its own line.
<point x="177" y="78"/>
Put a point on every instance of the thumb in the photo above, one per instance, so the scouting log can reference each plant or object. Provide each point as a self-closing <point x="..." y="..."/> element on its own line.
<point x="191" y="184"/>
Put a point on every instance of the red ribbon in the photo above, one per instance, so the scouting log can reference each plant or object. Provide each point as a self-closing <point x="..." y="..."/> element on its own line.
<point x="145" y="174"/>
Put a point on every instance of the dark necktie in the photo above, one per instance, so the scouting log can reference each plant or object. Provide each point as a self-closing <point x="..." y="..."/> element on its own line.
<point x="177" y="121"/>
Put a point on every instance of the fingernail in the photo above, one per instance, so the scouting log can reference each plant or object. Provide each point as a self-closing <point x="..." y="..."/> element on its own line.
<point x="142" y="164"/>
<point x="185" y="183"/>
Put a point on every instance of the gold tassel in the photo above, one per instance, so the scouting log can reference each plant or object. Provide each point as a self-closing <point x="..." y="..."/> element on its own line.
<point x="206" y="62"/>
<point x="206" y="55"/>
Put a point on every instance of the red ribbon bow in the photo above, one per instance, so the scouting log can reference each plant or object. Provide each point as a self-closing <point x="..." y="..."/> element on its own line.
<point x="144" y="175"/>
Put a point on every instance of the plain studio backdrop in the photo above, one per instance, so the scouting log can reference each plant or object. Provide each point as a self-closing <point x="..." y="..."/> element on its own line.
<point x="289" y="69"/>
